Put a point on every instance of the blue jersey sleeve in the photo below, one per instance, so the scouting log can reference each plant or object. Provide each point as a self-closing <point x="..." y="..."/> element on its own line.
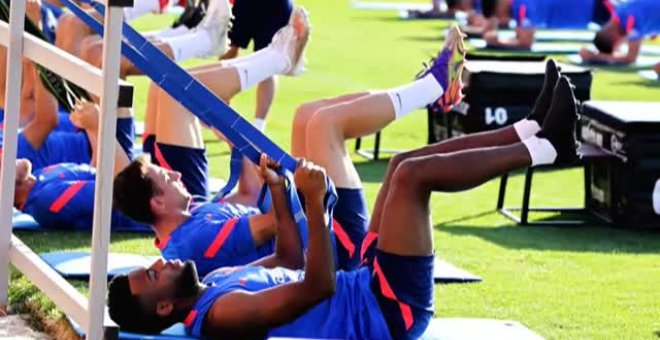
<point x="62" y="204"/>
<point x="213" y="244"/>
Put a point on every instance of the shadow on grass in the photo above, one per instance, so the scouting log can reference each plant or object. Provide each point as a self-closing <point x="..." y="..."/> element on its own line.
<point x="372" y="171"/>
<point x="577" y="239"/>
<point x="425" y="38"/>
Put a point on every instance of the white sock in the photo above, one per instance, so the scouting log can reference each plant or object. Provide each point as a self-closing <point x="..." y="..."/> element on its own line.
<point x="416" y="95"/>
<point x="141" y="8"/>
<point x="239" y="60"/>
<point x="261" y="66"/>
<point x="526" y="128"/>
<point x="168" y="32"/>
<point x="192" y="45"/>
<point x="540" y="150"/>
<point x="260" y="124"/>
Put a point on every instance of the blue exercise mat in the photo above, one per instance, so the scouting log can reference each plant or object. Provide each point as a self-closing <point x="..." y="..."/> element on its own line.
<point x="476" y="329"/>
<point x="438" y="329"/>
<point x="642" y="62"/>
<point x="551" y="35"/>
<point x="445" y="272"/>
<point x="176" y="332"/>
<point x="21" y="221"/>
<point x="77" y="264"/>
<point x="649" y="75"/>
<point x="25" y="222"/>
<point x="391" y="6"/>
<point x="537" y="48"/>
<point x="139" y="128"/>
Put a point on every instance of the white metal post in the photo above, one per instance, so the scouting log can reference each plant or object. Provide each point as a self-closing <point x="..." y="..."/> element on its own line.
<point x="12" y="109"/>
<point x="103" y="194"/>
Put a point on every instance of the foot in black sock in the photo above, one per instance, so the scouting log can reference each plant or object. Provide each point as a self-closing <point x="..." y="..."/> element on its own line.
<point x="545" y="97"/>
<point x="559" y="125"/>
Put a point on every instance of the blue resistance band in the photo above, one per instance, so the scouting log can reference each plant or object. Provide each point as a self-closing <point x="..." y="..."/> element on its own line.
<point x="247" y="140"/>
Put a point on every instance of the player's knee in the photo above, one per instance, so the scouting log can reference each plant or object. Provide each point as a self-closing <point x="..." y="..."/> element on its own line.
<point x="406" y="174"/>
<point x="304" y="114"/>
<point x="68" y="23"/>
<point x="399" y="158"/>
<point x="324" y="123"/>
<point x="87" y="43"/>
<point x="93" y="54"/>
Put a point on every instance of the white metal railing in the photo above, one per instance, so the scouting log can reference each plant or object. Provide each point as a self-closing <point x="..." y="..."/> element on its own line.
<point x="89" y="313"/>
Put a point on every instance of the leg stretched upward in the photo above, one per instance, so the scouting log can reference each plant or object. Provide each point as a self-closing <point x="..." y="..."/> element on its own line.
<point x="401" y="252"/>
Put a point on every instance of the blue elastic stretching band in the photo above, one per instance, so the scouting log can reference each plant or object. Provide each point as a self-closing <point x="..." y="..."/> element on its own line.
<point x="247" y="140"/>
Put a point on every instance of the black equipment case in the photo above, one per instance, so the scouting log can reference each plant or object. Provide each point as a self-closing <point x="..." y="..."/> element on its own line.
<point x="626" y="189"/>
<point x="499" y="93"/>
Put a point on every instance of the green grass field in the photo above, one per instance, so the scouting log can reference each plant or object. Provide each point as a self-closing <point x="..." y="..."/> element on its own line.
<point x="564" y="283"/>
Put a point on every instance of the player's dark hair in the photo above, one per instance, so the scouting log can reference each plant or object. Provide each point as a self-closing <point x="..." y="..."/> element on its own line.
<point x="133" y="191"/>
<point x="126" y="310"/>
<point x="604" y="41"/>
<point x="452" y="3"/>
<point x="488" y="7"/>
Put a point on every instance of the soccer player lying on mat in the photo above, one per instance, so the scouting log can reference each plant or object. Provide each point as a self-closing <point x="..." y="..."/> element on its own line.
<point x="391" y="294"/>
<point x="453" y="7"/>
<point x="632" y="21"/>
<point x="206" y="38"/>
<point x="61" y="195"/>
<point x="174" y="140"/>
<point x="534" y="14"/>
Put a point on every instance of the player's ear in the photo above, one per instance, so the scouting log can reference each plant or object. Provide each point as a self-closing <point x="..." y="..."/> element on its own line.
<point x="164" y="308"/>
<point x="157" y="204"/>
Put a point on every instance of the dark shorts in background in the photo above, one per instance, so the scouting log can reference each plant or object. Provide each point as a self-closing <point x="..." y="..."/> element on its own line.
<point x="258" y="20"/>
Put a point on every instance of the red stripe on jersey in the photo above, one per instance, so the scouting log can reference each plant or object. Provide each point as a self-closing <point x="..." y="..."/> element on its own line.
<point x="160" y="158"/>
<point x="66" y="196"/>
<point x="630" y="24"/>
<point x="220" y="238"/>
<point x="161" y="244"/>
<point x="190" y="318"/>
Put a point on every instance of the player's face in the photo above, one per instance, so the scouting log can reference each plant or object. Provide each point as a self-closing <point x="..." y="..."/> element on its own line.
<point x="164" y="280"/>
<point x="23" y="171"/>
<point x="168" y="186"/>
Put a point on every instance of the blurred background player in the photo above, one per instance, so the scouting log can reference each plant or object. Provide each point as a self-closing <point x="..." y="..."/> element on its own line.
<point x="258" y="21"/>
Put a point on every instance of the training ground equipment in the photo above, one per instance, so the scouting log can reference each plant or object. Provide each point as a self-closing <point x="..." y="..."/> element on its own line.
<point x="649" y="75"/>
<point x="499" y="93"/>
<point x="105" y="84"/>
<point x="643" y="61"/>
<point x="438" y="329"/>
<point x="626" y="189"/>
<point x="76" y="265"/>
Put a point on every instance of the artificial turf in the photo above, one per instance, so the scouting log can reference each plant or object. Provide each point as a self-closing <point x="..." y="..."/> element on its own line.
<point x="590" y="282"/>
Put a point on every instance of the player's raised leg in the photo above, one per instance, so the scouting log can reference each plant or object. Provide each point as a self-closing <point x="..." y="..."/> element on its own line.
<point x="403" y="258"/>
